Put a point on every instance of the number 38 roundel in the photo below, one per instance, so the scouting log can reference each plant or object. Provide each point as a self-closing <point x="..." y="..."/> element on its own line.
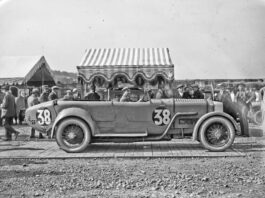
<point x="44" y="117"/>
<point x="161" y="116"/>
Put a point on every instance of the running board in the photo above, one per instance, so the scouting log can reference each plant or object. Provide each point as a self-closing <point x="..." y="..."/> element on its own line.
<point x="121" y="135"/>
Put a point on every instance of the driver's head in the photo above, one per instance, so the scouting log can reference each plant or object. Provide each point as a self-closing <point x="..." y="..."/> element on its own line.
<point x="133" y="97"/>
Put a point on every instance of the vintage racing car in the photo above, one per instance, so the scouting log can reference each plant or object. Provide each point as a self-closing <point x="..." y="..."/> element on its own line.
<point x="76" y="124"/>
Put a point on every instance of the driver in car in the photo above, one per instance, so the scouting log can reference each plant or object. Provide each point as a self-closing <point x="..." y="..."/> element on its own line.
<point x="128" y="96"/>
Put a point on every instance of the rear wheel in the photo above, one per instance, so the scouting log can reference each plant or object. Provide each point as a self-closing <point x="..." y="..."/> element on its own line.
<point x="217" y="134"/>
<point x="73" y="135"/>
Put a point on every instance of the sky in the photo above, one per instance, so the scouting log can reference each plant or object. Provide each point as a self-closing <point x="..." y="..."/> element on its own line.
<point x="207" y="39"/>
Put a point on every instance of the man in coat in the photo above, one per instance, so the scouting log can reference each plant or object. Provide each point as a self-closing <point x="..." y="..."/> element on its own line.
<point x="8" y="113"/>
<point x="68" y="96"/>
<point x="92" y="95"/>
<point x="197" y="92"/>
<point x="54" y="94"/>
<point x="179" y="92"/>
<point x="44" y="97"/>
<point x="188" y="92"/>
<point x="33" y="100"/>
<point x="20" y="106"/>
<point x="76" y="94"/>
<point x="161" y="92"/>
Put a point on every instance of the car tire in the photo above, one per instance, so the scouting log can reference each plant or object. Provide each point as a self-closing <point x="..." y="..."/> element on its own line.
<point x="78" y="130"/>
<point x="217" y="128"/>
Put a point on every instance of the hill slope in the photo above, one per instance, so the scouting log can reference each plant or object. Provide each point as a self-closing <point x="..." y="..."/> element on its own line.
<point x="64" y="77"/>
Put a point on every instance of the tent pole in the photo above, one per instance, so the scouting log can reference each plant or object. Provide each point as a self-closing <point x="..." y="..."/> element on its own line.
<point x="42" y="82"/>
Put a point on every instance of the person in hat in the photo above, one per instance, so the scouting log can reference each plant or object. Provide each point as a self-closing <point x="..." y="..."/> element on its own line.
<point x="54" y="93"/>
<point x="188" y="92"/>
<point x="220" y="94"/>
<point x="161" y="92"/>
<point x="197" y="92"/>
<point x="92" y="94"/>
<point x="8" y="108"/>
<point x="179" y="92"/>
<point x="33" y="100"/>
<point x="20" y="106"/>
<point x="68" y="95"/>
<point x="242" y="109"/>
<point x="233" y="92"/>
<point x="241" y="94"/>
<point x="76" y="94"/>
<point x="44" y="97"/>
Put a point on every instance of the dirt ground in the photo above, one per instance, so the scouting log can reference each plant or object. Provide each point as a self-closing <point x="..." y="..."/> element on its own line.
<point x="211" y="177"/>
<point x="116" y="177"/>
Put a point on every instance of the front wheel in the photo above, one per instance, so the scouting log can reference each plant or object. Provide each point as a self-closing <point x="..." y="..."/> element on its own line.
<point x="73" y="135"/>
<point x="217" y="134"/>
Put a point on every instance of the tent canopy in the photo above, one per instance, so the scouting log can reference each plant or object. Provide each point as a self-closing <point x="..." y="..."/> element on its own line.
<point x="128" y="62"/>
<point x="27" y="70"/>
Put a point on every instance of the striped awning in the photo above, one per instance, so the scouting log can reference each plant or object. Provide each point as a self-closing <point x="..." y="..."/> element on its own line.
<point x="130" y="62"/>
<point x="12" y="81"/>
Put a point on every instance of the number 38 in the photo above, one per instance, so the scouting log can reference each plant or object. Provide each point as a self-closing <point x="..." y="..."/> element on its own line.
<point x="44" y="116"/>
<point x="161" y="116"/>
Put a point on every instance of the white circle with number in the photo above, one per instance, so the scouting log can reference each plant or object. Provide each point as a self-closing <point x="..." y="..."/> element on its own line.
<point x="161" y="116"/>
<point x="44" y="117"/>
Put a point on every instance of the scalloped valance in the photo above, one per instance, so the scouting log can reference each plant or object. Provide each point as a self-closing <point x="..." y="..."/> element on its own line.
<point x="129" y="62"/>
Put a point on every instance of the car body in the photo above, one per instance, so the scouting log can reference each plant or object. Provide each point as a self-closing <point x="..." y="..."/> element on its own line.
<point x="76" y="124"/>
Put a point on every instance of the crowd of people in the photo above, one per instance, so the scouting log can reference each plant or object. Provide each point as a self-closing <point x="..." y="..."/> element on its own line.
<point x="13" y="108"/>
<point x="235" y="99"/>
<point x="237" y="102"/>
<point x="181" y="91"/>
<point x="240" y="93"/>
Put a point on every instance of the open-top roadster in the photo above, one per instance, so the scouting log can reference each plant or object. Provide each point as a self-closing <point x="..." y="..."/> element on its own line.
<point x="76" y="124"/>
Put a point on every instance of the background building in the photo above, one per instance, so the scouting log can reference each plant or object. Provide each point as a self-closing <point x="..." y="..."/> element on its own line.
<point x="118" y="67"/>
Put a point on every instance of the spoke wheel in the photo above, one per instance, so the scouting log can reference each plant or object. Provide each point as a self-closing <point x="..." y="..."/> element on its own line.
<point x="73" y="135"/>
<point x="217" y="134"/>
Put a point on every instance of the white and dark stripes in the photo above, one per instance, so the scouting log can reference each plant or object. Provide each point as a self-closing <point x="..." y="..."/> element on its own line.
<point x="127" y="57"/>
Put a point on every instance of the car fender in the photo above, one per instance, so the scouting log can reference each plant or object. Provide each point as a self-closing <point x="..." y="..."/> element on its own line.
<point x="208" y="115"/>
<point x="78" y="113"/>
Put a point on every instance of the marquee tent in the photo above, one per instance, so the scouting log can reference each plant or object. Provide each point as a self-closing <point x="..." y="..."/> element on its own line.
<point x="129" y="62"/>
<point x="25" y="70"/>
